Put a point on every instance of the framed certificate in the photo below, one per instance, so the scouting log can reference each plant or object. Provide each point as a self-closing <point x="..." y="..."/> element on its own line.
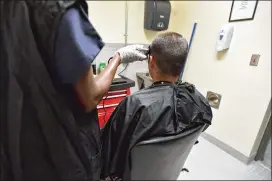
<point x="243" y="10"/>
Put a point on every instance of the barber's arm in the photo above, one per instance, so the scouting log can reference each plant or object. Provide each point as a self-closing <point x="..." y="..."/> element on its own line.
<point x="76" y="49"/>
<point x="90" y="89"/>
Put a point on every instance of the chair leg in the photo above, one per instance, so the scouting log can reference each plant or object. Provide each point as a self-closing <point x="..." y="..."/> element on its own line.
<point x="112" y="178"/>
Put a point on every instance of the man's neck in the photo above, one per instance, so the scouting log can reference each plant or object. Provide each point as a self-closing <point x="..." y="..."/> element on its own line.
<point x="165" y="78"/>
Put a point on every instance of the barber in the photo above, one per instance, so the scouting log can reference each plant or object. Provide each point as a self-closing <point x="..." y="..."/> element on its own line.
<point x="68" y="57"/>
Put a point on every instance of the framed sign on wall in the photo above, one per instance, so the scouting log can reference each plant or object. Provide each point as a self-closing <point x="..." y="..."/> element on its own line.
<point x="243" y="10"/>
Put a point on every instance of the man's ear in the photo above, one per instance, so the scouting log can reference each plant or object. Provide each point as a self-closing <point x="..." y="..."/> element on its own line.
<point x="151" y="61"/>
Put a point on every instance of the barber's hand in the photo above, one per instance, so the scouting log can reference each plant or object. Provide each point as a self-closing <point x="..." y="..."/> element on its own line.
<point x="132" y="53"/>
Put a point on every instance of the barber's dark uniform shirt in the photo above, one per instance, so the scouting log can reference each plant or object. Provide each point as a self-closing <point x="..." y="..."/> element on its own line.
<point x="75" y="50"/>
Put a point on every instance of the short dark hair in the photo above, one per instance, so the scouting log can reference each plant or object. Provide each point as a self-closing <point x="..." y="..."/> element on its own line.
<point x="170" y="51"/>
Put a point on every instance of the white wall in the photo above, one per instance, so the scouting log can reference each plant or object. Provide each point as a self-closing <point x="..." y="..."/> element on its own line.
<point x="108" y="17"/>
<point x="246" y="90"/>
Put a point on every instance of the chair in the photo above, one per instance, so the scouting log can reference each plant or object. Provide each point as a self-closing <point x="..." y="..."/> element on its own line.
<point x="160" y="158"/>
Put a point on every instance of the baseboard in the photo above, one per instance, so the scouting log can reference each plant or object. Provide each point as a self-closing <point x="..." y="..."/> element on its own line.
<point x="233" y="152"/>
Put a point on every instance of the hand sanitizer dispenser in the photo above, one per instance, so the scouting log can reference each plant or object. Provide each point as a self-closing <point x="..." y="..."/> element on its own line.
<point x="224" y="37"/>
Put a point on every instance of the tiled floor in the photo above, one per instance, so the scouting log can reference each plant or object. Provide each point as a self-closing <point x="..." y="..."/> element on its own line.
<point x="208" y="162"/>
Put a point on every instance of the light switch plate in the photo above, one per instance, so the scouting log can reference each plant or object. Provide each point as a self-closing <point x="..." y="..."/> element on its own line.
<point x="254" y="60"/>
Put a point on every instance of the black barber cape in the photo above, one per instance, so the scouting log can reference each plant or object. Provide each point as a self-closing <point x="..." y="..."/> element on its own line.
<point x="42" y="137"/>
<point x="160" y="110"/>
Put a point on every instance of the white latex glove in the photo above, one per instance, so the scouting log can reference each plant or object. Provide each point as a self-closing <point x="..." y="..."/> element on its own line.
<point x="132" y="53"/>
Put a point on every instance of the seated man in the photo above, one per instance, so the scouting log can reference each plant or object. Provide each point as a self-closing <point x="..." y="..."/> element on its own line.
<point x="166" y="108"/>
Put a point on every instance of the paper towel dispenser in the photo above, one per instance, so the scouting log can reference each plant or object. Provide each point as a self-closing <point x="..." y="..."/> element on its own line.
<point x="157" y="15"/>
